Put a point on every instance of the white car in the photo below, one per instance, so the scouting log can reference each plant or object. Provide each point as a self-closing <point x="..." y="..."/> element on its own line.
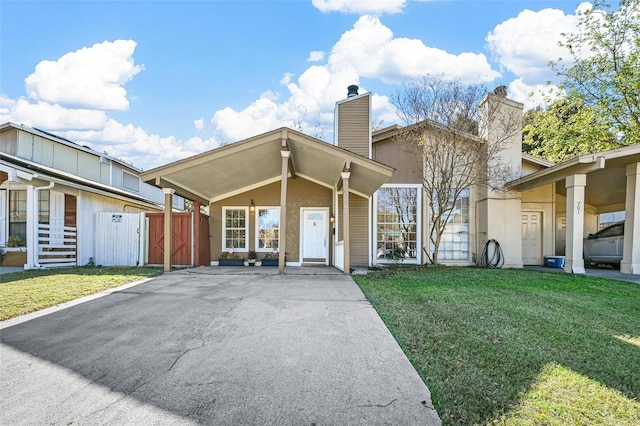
<point x="605" y="246"/>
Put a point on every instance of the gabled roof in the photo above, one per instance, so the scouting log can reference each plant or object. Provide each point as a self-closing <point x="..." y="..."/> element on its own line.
<point x="257" y="161"/>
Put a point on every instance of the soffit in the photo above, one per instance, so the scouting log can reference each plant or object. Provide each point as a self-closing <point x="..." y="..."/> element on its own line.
<point x="257" y="161"/>
<point x="605" y="171"/>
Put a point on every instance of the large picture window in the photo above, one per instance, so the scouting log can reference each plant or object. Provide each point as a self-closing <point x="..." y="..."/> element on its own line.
<point x="397" y="224"/>
<point x="455" y="239"/>
<point x="235" y="228"/>
<point x="267" y="229"/>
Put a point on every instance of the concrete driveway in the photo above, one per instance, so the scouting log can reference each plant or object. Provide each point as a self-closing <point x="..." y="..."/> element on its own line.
<point x="202" y="346"/>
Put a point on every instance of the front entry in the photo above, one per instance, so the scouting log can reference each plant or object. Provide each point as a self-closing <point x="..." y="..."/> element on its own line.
<point x="315" y="230"/>
<point x="532" y="238"/>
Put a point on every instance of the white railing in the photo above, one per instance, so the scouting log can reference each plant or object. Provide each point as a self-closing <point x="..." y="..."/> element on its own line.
<point x="56" y="246"/>
<point x="339" y="255"/>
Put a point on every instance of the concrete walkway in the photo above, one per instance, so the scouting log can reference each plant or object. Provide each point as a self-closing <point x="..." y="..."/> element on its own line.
<point x="205" y="346"/>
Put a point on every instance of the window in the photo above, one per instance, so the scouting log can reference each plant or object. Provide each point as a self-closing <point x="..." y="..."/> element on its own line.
<point x="267" y="228"/>
<point x="397" y="224"/>
<point x="18" y="213"/>
<point x="235" y="228"/>
<point x="455" y="239"/>
<point x="130" y="181"/>
<point x="43" y="206"/>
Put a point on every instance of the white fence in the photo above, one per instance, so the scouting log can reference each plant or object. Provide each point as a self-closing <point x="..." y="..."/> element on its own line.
<point x="57" y="246"/>
<point x="339" y="255"/>
<point x="119" y="239"/>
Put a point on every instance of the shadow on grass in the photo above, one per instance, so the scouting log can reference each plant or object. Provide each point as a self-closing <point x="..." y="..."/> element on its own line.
<point x="481" y="338"/>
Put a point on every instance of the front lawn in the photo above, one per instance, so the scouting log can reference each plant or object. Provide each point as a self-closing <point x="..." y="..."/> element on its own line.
<point x="517" y="347"/>
<point x="28" y="291"/>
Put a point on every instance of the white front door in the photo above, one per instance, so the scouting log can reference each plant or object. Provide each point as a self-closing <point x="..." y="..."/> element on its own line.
<point x="315" y="244"/>
<point x="531" y="238"/>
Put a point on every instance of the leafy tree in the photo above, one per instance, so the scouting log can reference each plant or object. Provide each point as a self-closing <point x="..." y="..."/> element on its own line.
<point x="442" y="121"/>
<point x="566" y="129"/>
<point x="603" y="72"/>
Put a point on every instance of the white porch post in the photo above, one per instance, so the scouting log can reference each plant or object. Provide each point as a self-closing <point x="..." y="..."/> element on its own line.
<point x="345" y="222"/>
<point x="574" y="262"/>
<point x="282" y="232"/>
<point x="32" y="227"/>
<point x="168" y="227"/>
<point x="631" y="252"/>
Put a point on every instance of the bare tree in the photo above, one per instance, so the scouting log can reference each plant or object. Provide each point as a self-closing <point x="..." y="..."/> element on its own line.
<point x="461" y="131"/>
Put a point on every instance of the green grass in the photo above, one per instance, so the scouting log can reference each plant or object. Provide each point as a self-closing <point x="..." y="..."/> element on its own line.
<point x="517" y="347"/>
<point x="29" y="291"/>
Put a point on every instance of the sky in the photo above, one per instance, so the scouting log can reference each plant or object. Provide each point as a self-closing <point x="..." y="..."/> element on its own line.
<point x="151" y="82"/>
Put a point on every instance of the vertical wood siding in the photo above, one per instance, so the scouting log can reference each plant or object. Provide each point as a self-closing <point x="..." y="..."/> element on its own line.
<point x="354" y="125"/>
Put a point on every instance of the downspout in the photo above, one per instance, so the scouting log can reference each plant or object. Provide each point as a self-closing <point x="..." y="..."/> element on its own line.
<point x="35" y="242"/>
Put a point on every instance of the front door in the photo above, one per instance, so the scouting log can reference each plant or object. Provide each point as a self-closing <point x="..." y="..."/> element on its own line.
<point x="314" y="236"/>
<point x="531" y="238"/>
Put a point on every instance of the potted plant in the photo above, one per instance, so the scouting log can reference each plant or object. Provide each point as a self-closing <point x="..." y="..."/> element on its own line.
<point x="15" y="254"/>
<point x="251" y="258"/>
<point x="271" y="259"/>
<point x="229" y="258"/>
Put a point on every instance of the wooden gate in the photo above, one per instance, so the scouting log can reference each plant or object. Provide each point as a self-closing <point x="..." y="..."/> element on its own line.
<point x="184" y="234"/>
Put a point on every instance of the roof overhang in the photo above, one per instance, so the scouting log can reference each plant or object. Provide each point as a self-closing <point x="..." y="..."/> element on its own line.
<point x="257" y="161"/>
<point x="25" y="171"/>
<point x="606" y="176"/>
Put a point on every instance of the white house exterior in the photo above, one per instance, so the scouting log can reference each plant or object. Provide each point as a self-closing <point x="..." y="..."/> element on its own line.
<point x="51" y="190"/>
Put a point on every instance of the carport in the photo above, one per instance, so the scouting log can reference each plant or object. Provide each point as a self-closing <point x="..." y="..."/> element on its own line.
<point x="608" y="181"/>
<point x="276" y="156"/>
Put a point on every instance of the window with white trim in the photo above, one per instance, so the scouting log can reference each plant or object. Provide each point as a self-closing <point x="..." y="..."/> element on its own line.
<point x="235" y="228"/>
<point x="267" y="228"/>
<point x="454" y="244"/>
<point x="397" y="224"/>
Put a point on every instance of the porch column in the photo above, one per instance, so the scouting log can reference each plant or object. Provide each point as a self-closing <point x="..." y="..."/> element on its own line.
<point x="168" y="227"/>
<point x="32" y="227"/>
<point x="196" y="234"/>
<point x="631" y="251"/>
<point x="282" y="232"/>
<point x="345" y="221"/>
<point x="574" y="262"/>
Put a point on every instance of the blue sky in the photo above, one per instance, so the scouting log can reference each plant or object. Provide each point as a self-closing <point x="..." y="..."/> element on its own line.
<point x="154" y="81"/>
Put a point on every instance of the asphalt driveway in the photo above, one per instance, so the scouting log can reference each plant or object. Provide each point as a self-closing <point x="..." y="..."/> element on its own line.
<point x="204" y="347"/>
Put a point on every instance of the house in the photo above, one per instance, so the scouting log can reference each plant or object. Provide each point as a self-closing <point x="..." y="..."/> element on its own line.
<point x="337" y="204"/>
<point x="52" y="193"/>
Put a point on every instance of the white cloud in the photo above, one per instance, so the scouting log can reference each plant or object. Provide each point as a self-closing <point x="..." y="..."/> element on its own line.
<point x="316" y="56"/>
<point x="50" y="117"/>
<point x="199" y="123"/>
<point x="525" y="44"/>
<point x="367" y="50"/>
<point x="136" y="146"/>
<point x="533" y="95"/>
<point x="361" y="7"/>
<point x="92" y="77"/>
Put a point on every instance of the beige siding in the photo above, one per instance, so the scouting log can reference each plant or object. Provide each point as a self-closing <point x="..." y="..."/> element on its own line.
<point x="354" y="125"/>
<point x="300" y="193"/>
<point x="358" y="229"/>
<point x="9" y="142"/>
<point x="406" y="159"/>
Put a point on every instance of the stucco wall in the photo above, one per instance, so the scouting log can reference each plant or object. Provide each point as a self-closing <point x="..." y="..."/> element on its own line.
<point x="300" y="193"/>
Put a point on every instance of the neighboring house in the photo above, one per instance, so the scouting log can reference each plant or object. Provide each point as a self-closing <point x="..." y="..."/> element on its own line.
<point x="52" y="192"/>
<point x="318" y="203"/>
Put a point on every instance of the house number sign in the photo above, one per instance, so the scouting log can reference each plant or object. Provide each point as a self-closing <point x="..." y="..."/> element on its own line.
<point x="116" y="218"/>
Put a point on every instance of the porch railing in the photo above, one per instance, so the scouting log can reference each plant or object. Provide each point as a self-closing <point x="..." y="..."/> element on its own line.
<point x="57" y="246"/>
